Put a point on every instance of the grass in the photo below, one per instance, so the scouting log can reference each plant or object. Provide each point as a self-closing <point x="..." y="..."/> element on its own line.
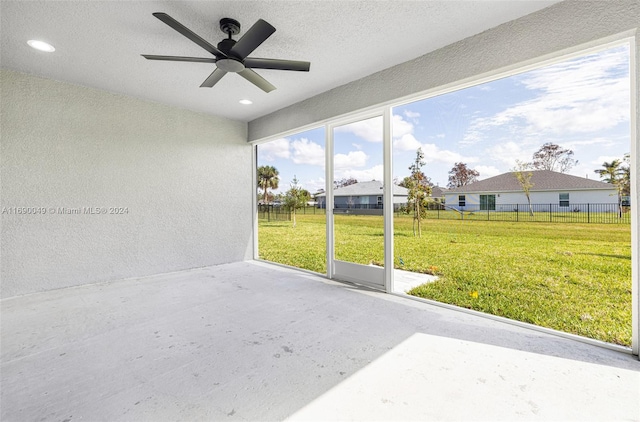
<point x="570" y="277"/>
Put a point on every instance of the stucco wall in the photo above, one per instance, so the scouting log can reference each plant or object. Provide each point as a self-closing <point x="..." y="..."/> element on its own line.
<point x="562" y="26"/>
<point x="183" y="179"/>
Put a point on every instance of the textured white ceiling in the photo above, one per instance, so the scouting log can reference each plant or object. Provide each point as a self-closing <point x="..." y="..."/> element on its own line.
<point x="98" y="44"/>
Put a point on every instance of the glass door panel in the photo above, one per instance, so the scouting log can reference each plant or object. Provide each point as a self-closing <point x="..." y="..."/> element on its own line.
<point x="358" y="225"/>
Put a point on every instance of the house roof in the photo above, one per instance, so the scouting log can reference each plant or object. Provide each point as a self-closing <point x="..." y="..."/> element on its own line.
<point x="438" y="192"/>
<point x="371" y="188"/>
<point x="543" y="180"/>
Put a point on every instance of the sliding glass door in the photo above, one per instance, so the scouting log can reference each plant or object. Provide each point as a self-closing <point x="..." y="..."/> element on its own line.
<point x="356" y="202"/>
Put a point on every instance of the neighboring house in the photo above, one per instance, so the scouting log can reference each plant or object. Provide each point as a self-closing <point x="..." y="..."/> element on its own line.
<point x="437" y="193"/>
<point x="553" y="190"/>
<point x="363" y="195"/>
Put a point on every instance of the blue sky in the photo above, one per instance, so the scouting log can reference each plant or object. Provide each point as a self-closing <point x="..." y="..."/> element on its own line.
<point x="580" y="104"/>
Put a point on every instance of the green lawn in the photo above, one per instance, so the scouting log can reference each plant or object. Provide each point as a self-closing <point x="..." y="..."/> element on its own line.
<point x="570" y="277"/>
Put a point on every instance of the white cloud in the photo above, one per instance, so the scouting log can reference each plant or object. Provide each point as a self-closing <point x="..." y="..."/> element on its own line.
<point x="585" y="170"/>
<point x="356" y="146"/>
<point x="598" y="142"/>
<point x="350" y="160"/>
<point x="433" y="154"/>
<point x="487" y="171"/>
<point x="583" y="95"/>
<point x="508" y="153"/>
<point x="371" y="130"/>
<point x="314" y="185"/>
<point x="407" y="142"/>
<point x="364" y="175"/>
<point x="400" y="126"/>
<point x="307" y="152"/>
<point x="604" y="158"/>
<point x="274" y="149"/>
<point x="441" y="136"/>
<point x="411" y="114"/>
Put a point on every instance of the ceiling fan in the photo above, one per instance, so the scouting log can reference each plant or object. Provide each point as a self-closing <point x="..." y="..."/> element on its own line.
<point x="231" y="55"/>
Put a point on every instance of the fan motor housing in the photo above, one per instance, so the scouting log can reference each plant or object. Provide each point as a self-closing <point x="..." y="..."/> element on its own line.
<point x="226" y="45"/>
<point x="230" y="65"/>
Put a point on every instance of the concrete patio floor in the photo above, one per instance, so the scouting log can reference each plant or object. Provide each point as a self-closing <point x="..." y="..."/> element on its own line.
<point x="253" y="341"/>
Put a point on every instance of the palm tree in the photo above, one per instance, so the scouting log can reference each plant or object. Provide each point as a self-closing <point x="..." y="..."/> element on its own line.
<point x="610" y="172"/>
<point x="267" y="178"/>
<point x="613" y="173"/>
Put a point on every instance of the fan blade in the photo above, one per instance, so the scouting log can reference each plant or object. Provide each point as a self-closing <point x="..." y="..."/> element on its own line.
<point x="213" y="79"/>
<point x="255" y="36"/>
<point x="189" y="34"/>
<point x="276" y="64"/>
<point x="179" y="58"/>
<point x="257" y="80"/>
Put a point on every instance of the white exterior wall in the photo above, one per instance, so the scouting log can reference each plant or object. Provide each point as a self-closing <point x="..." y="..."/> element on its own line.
<point x="184" y="178"/>
<point x="578" y="200"/>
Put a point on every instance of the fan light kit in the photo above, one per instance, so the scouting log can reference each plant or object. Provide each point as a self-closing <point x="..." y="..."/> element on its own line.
<point x="231" y="56"/>
<point x="41" y="45"/>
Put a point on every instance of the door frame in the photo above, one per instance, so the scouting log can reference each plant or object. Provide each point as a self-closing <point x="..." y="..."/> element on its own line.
<point x="379" y="278"/>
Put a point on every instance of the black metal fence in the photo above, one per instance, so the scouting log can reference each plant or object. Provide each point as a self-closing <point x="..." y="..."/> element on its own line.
<point x="396" y="207"/>
<point x="274" y="213"/>
<point x="550" y="213"/>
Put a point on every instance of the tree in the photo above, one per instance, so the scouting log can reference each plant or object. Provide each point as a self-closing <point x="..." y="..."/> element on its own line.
<point x="524" y="178"/>
<point x="419" y="190"/>
<point x="350" y="202"/>
<point x="424" y="180"/>
<point x="553" y="157"/>
<point x="614" y="173"/>
<point x="344" y="182"/>
<point x="461" y="175"/>
<point x="626" y="175"/>
<point x="611" y="172"/>
<point x="267" y="178"/>
<point x="296" y="198"/>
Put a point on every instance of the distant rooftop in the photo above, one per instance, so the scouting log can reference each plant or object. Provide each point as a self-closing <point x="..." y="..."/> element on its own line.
<point x="371" y="188"/>
<point x="438" y="192"/>
<point x="542" y="180"/>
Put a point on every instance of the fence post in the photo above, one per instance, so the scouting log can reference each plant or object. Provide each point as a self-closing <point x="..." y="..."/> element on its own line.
<point x="550" y="213"/>
<point x="588" y="213"/>
<point x="517" y="214"/>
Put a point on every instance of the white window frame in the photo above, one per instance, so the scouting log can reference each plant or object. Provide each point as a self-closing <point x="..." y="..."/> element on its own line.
<point x="518" y="68"/>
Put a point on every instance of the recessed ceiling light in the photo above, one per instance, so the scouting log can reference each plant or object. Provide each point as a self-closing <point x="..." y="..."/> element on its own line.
<point x="246" y="102"/>
<point x="41" y="45"/>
